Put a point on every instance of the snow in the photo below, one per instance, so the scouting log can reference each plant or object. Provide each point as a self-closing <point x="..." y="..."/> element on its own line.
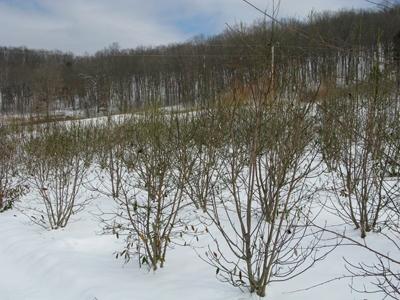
<point x="78" y="263"/>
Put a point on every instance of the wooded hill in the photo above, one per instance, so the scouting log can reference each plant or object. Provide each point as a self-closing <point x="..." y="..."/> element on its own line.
<point x="326" y="50"/>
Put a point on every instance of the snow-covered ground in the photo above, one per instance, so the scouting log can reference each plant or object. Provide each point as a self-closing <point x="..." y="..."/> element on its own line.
<point x="78" y="263"/>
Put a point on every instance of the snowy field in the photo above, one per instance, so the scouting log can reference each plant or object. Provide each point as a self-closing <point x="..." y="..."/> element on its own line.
<point x="78" y="263"/>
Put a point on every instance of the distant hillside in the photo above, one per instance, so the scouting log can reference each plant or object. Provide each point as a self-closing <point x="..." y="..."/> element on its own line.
<point x="326" y="47"/>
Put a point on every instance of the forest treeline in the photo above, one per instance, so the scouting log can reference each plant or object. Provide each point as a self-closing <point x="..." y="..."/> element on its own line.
<point x="326" y="50"/>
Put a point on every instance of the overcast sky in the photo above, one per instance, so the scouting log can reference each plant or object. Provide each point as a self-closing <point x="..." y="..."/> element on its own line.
<point x="90" y="25"/>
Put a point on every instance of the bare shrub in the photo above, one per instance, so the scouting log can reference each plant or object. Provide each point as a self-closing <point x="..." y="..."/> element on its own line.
<point x="354" y="136"/>
<point x="383" y="271"/>
<point x="11" y="188"/>
<point x="262" y="235"/>
<point x="151" y="194"/>
<point x="56" y="162"/>
<point x="207" y="138"/>
<point x="112" y="142"/>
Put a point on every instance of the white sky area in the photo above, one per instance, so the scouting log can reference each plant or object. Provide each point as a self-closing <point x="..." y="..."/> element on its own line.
<point x="89" y="25"/>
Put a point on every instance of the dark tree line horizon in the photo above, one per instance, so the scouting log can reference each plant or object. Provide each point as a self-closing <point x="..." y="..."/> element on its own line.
<point x="326" y="49"/>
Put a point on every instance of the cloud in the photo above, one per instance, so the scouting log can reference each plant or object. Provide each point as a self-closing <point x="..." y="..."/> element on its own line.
<point x="80" y="26"/>
<point x="90" y="25"/>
